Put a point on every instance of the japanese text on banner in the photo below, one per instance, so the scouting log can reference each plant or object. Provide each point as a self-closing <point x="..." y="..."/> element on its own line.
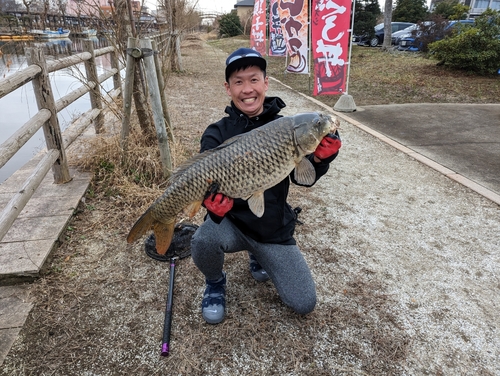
<point x="277" y="45"/>
<point x="330" y="43"/>
<point x="295" y="26"/>
<point x="258" y="32"/>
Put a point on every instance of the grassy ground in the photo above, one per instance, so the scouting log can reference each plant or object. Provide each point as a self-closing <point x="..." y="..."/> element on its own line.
<point x="378" y="77"/>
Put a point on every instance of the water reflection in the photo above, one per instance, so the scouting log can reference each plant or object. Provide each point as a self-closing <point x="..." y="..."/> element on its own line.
<point x="60" y="46"/>
<point x="17" y="107"/>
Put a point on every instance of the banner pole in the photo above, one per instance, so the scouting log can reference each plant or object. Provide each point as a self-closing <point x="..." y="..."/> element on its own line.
<point x="310" y="41"/>
<point x="346" y="102"/>
<point x="350" y="47"/>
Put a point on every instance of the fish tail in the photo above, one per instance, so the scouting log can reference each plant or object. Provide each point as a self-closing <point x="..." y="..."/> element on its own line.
<point x="163" y="231"/>
<point x="143" y="224"/>
<point x="163" y="235"/>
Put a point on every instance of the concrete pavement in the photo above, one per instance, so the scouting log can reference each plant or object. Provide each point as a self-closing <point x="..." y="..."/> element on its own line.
<point x="464" y="138"/>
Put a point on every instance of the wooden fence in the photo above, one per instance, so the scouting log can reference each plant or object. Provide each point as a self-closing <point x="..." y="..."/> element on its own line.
<point x="37" y="73"/>
<point x="147" y="50"/>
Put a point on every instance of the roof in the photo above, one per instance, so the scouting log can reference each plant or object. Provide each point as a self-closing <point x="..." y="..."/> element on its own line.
<point x="244" y="3"/>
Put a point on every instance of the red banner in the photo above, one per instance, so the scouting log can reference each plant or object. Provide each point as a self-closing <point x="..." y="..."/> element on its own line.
<point x="258" y="32"/>
<point x="295" y="26"/>
<point x="330" y="45"/>
<point x="277" y="45"/>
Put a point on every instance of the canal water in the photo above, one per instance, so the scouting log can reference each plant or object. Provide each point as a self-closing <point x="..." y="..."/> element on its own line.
<point x="17" y="107"/>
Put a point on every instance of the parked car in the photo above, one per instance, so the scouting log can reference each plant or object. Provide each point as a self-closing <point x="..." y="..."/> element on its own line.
<point x="378" y="38"/>
<point x="406" y="33"/>
<point x="414" y="43"/>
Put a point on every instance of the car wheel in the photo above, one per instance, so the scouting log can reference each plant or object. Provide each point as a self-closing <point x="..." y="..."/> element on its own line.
<point x="374" y="42"/>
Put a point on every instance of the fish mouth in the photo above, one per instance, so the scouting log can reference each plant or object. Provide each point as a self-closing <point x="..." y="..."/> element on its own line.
<point x="334" y="124"/>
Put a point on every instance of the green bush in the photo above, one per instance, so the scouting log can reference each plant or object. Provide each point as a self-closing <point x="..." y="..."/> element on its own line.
<point x="230" y="25"/>
<point x="365" y="17"/>
<point x="475" y="49"/>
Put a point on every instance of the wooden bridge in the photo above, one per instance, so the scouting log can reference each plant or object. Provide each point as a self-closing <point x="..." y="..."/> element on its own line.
<point x="37" y="206"/>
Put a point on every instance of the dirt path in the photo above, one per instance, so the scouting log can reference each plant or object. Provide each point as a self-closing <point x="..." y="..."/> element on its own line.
<point x="406" y="263"/>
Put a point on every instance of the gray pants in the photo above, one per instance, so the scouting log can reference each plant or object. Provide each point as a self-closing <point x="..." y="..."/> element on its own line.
<point x="284" y="264"/>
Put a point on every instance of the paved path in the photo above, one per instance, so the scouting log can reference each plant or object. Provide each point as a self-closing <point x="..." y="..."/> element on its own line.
<point x="465" y="138"/>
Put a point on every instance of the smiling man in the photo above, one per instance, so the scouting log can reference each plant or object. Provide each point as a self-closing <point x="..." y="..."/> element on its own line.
<point x="230" y="225"/>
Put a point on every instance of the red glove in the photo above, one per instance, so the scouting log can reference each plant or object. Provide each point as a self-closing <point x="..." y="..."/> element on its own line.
<point x="218" y="204"/>
<point x="329" y="145"/>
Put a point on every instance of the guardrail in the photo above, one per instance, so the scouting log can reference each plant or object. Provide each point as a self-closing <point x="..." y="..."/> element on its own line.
<point x="37" y="72"/>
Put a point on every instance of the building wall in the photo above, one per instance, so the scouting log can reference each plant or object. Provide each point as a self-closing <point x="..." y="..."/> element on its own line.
<point x="479" y="6"/>
<point x="244" y="12"/>
<point x="476" y="6"/>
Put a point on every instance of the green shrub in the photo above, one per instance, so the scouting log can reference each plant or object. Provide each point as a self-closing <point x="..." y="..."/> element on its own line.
<point x="365" y="17"/>
<point x="230" y="25"/>
<point x="474" y="49"/>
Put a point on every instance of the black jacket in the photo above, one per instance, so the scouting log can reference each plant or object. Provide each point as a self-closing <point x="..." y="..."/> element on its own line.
<point x="277" y="225"/>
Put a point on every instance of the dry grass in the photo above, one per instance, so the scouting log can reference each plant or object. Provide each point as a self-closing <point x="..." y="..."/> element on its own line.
<point x="378" y="77"/>
<point x="99" y="309"/>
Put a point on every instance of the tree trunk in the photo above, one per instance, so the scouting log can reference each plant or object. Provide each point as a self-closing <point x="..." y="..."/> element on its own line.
<point x="387" y="45"/>
<point x="141" y="104"/>
<point x="174" y="40"/>
<point x="140" y="100"/>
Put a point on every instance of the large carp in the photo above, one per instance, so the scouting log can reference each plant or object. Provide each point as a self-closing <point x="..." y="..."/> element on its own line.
<point x="242" y="167"/>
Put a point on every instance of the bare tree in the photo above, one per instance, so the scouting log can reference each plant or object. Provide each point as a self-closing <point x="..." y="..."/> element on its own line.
<point x="180" y="16"/>
<point x="126" y="30"/>
<point x="247" y="21"/>
<point x="27" y="4"/>
<point x="387" y="26"/>
<point x="31" y="6"/>
<point x="61" y="5"/>
<point x="45" y="12"/>
<point x="8" y="5"/>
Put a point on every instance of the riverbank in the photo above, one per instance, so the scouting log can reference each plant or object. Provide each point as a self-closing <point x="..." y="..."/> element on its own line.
<point x="405" y="261"/>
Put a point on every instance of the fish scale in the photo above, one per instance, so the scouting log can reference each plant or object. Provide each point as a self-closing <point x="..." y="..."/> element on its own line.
<point x="242" y="167"/>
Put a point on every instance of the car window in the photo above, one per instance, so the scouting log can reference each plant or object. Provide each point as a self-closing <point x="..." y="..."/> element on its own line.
<point x="380" y="26"/>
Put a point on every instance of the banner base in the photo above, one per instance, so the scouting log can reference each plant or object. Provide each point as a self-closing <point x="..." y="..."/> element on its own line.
<point x="345" y="104"/>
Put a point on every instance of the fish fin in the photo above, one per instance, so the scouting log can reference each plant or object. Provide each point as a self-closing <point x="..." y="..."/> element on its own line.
<point x="305" y="173"/>
<point x="193" y="208"/>
<point x="256" y="203"/>
<point x="163" y="236"/>
<point x="141" y="226"/>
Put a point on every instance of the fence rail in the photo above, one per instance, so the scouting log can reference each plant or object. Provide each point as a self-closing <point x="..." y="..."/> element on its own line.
<point x="57" y="142"/>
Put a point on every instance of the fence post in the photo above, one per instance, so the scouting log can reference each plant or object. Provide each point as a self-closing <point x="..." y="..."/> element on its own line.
<point x="127" y="91"/>
<point x="178" y="50"/>
<point x="45" y="100"/>
<point x="95" y="93"/>
<point x="115" y="63"/>
<point x="161" y="85"/>
<point x="154" y="96"/>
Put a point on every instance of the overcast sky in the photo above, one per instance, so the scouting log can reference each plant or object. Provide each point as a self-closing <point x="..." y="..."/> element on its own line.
<point x="225" y="6"/>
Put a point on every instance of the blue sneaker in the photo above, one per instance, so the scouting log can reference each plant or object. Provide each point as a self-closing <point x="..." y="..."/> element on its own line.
<point x="214" y="300"/>
<point x="258" y="273"/>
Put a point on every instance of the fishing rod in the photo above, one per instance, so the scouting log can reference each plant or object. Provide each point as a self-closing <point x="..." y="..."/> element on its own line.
<point x="179" y="249"/>
<point x="167" y="322"/>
